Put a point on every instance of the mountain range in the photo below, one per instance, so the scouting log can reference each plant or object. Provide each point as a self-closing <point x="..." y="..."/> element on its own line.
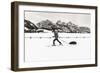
<point x="48" y="25"/>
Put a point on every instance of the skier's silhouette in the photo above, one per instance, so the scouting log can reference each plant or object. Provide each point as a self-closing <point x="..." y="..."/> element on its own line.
<point x="55" y="31"/>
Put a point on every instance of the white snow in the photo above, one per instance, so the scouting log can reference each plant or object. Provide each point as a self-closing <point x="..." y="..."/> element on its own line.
<point x="41" y="49"/>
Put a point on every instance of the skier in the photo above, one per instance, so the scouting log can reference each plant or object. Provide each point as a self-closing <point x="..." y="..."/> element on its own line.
<point x="55" y="31"/>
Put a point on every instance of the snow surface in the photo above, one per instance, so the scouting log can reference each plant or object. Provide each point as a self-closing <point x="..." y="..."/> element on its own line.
<point x="38" y="47"/>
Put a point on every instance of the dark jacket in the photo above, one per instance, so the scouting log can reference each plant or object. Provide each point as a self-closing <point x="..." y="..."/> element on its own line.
<point x="55" y="34"/>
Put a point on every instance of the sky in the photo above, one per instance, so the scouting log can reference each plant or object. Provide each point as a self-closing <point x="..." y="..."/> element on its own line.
<point x="79" y="19"/>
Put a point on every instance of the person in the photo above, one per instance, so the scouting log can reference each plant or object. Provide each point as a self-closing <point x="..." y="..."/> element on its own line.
<point x="55" y="31"/>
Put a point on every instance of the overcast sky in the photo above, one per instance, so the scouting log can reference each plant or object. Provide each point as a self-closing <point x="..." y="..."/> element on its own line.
<point x="76" y="18"/>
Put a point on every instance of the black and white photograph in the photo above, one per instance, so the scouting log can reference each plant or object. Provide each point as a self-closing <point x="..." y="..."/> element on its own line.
<point x="56" y="33"/>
